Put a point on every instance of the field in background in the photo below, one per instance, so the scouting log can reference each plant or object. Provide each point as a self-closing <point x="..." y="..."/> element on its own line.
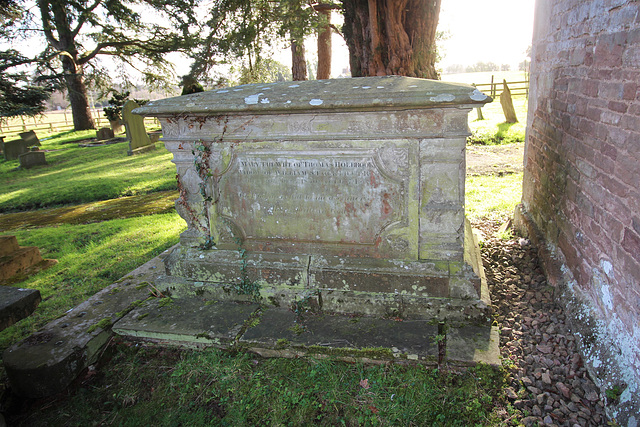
<point x="52" y="122"/>
<point x="484" y="77"/>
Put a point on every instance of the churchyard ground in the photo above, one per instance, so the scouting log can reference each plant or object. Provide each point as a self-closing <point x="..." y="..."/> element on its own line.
<point x="135" y="384"/>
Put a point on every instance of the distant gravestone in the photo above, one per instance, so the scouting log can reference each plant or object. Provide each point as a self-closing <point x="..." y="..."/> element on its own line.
<point x="104" y="134"/>
<point x="32" y="158"/>
<point x="30" y="138"/>
<point x="507" y="104"/>
<point x="13" y="149"/>
<point x="139" y="141"/>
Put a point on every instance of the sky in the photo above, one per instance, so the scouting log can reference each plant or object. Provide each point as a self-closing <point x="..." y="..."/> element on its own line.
<point x="486" y="30"/>
<point x="496" y="31"/>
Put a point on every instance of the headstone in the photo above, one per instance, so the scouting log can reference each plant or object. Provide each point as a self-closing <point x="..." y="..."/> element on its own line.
<point x="346" y="194"/>
<point x="507" y="104"/>
<point x="13" y="149"/>
<point x="139" y="141"/>
<point x="104" y="134"/>
<point x="30" y="138"/>
<point x="32" y="158"/>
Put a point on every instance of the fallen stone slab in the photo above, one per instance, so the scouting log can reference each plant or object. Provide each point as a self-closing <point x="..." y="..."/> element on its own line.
<point x="48" y="361"/>
<point x="16" y="304"/>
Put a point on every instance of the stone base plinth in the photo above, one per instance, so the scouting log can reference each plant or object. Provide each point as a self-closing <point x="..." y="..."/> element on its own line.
<point x="447" y="291"/>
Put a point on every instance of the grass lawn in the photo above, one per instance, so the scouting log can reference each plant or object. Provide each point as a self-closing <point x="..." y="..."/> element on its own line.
<point x="138" y="385"/>
<point x="80" y="175"/>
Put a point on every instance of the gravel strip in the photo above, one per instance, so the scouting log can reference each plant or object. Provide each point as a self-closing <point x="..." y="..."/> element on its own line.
<point x="549" y="384"/>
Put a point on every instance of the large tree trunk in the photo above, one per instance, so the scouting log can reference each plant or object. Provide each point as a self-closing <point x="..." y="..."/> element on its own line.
<point x="391" y="37"/>
<point x="298" y="61"/>
<point x="71" y="71"/>
<point x="324" y="43"/>
<point x="77" y="96"/>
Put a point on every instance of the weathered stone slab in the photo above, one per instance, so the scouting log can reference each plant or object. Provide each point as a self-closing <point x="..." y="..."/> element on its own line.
<point x="49" y="360"/>
<point x="13" y="149"/>
<point x="473" y="344"/>
<point x="8" y="245"/>
<point x="277" y="329"/>
<point x="16" y="304"/>
<point x="30" y="138"/>
<point x="32" y="158"/>
<point x="139" y="141"/>
<point x="361" y="178"/>
<point x="507" y="104"/>
<point x="19" y="260"/>
<point x="189" y="321"/>
<point x="104" y="134"/>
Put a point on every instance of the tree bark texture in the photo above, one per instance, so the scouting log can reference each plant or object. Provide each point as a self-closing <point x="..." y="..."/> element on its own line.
<point x="324" y="47"/>
<point x="298" y="61"/>
<point x="392" y="37"/>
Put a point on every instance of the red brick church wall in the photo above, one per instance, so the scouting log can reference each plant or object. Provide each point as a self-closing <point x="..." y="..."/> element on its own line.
<point x="582" y="178"/>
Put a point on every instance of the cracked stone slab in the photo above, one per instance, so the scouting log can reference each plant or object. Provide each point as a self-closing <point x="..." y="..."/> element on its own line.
<point x="413" y="340"/>
<point x="49" y="360"/>
<point x="189" y="321"/>
<point x="468" y="345"/>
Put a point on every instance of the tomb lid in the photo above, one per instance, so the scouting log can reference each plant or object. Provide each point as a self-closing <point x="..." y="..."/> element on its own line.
<point x="362" y="93"/>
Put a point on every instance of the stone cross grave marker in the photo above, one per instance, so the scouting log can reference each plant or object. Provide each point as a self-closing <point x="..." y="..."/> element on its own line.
<point x="139" y="141"/>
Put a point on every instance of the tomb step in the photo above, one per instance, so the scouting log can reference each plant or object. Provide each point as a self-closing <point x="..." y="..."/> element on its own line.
<point x="8" y="244"/>
<point x="16" y="304"/>
<point x="277" y="332"/>
<point x="19" y="261"/>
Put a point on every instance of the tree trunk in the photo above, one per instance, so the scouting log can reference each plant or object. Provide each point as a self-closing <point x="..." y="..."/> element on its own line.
<point x="391" y="37"/>
<point x="71" y="71"/>
<point x="298" y="61"/>
<point x="77" y="96"/>
<point x="324" y="46"/>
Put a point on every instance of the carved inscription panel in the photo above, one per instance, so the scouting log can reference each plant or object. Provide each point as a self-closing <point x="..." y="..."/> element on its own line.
<point x="322" y="197"/>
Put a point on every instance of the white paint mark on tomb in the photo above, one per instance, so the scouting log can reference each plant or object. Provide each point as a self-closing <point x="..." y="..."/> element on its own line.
<point x="316" y="102"/>
<point x="288" y="102"/>
<point x="237" y="90"/>
<point x="413" y="86"/>
<point x="606" y="297"/>
<point x="191" y="104"/>
<point x="607" y="267"/>
<point x="264" y="101"/>
<point x="476" y="95"/>
<point x="252" y="99"/>
<point x="380" y="87"/>
<point x="443" y="97"/>
<point x="366" y="87"/>
<point x="294" y="86"/>
<point x="222" y="91"/>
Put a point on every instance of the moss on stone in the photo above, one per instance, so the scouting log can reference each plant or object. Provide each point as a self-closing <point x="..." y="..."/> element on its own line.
<point x="103" y="324"/>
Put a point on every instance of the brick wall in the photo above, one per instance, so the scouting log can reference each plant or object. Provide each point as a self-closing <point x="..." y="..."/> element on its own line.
<point x="582" y="177"/>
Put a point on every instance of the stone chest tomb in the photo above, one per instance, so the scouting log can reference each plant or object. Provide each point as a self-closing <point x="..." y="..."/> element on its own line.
<point x="347" y="195"/>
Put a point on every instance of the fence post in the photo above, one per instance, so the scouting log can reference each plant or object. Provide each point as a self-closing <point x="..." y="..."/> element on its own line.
<point x="493" y="88"/>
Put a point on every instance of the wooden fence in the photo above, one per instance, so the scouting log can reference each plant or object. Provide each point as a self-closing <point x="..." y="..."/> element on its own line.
<point x="54" y="121"/>
<point x="494" y="89"/>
